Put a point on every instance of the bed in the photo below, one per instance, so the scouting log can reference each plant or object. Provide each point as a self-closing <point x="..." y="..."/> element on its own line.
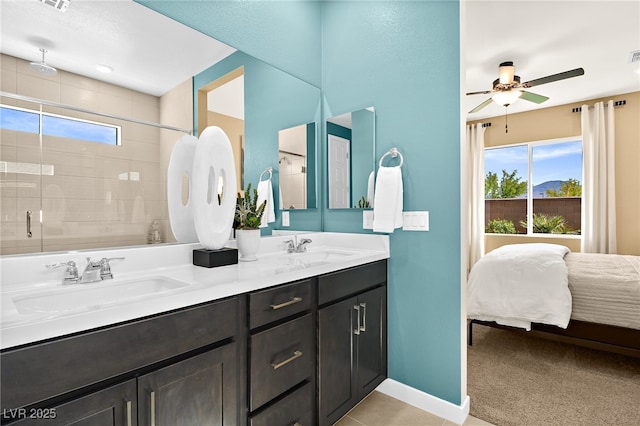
<point x="587" y="299"/>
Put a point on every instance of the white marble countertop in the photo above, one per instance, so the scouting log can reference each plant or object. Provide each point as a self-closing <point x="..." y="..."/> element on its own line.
<point x="25" y="277"/>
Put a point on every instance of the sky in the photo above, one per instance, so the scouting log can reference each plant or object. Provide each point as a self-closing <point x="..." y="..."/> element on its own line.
<point x="53" y="125"/>
<point x="554" y="161"/>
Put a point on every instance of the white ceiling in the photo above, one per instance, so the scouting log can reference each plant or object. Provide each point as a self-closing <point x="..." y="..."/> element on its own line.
<point x="148" y="51"/>
<point x="547" y="37"/>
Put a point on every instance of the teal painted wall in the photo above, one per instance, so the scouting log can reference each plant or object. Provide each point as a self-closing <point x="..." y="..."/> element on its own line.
<point x="403" y="58"/>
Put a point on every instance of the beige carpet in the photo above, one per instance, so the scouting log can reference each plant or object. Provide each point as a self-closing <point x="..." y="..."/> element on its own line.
<point x="516" y="379"/>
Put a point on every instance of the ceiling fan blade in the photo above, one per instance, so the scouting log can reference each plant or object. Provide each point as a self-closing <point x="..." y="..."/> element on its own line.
<point x="554" y="77"/>
<point x="484" y="92"/>
<point x="533" y="97"/>
<point x="482" y="105"/>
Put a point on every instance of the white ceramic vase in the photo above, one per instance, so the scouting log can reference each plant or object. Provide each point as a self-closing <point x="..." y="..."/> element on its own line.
<point x="248" y="241"/>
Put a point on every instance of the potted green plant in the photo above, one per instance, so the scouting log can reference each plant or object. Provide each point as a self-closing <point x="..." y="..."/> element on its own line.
<point x="247" y="223"/>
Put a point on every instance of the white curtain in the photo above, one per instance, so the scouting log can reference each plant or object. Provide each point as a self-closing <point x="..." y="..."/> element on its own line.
<point x="598" y="179"/>
<point x="475" y="182"/>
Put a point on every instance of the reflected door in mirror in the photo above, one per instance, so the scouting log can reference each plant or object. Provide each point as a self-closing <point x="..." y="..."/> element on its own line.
<point x="339" y="172"/>
<point x="351" y="159"/>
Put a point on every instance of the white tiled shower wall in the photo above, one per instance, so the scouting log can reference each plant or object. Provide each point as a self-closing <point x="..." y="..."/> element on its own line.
<point x="99" y="195"/>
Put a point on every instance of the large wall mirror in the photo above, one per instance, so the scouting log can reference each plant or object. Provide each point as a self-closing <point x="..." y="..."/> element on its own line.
<point x="62" y="192"/>
<point x="351" y="159"/>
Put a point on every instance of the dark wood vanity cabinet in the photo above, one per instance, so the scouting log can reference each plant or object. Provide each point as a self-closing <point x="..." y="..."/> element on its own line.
<point x="177" y="365"/>
<point x="282" y="355"/>
<point x="352" y="341"/>
<point x="302" y="353"/>
<point x="199" y="390"/>
<point x="113" y="406"/>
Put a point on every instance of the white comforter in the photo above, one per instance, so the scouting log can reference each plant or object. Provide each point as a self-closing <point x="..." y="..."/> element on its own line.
<point x="519" y="284"/>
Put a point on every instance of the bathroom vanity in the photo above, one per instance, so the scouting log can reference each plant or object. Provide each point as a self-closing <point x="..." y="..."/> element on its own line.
<point x="281" y="341"/>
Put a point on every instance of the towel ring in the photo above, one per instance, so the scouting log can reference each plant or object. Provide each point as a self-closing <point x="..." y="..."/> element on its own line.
<point x="267" y="170"/>
<point x="393" y="152"/>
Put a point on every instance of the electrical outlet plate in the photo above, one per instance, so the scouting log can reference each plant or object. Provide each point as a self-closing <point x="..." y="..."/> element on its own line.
<point x="367" y="219"/>
<point x="415" y="221"/>
<point x="285" y="218"/>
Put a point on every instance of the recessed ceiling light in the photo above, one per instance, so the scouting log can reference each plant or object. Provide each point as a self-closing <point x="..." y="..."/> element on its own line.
<point x="104" y="68"/>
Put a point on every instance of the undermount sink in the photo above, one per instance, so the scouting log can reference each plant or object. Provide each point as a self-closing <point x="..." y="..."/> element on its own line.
<point x="309" y="259"/>
<point x="93" y="296"/>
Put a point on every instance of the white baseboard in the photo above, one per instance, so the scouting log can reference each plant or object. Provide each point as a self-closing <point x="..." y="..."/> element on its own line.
<point x="454" y="413"/>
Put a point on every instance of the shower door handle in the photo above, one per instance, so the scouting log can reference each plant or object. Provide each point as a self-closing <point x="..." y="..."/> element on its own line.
<point x="29" y="233"/>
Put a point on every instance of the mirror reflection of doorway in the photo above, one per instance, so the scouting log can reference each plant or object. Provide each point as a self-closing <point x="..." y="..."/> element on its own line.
<point x="339" y="172"/>
<point x="221" y="103"/>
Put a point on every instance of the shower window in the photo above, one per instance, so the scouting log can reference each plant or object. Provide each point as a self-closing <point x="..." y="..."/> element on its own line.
<point x="23" y="120"/>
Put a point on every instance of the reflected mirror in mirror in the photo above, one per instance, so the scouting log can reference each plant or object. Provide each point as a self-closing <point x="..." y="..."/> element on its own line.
<point x="351" y="159"/>
<point x="99" y="195"/>
<point x="296" y="156"/>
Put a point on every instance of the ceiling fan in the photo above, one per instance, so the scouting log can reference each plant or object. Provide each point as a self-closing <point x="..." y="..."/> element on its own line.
<point x="507" y="88"/>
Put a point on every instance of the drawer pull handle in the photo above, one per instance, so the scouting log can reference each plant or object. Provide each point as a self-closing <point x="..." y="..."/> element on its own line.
<point x="129" y="413"/>
<point x="358" y="328"/>
<point x="293" y="301"/>
<point x="153" y="408"/>
<point x="296" y="354"/>
<point x="297" y="424"/>
<point x="363" y="327"/>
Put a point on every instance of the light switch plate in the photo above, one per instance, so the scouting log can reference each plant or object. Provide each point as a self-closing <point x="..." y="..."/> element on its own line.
<point x="367" y="219"/>
<point x="415" y="221"/>
<point x="285" y="218"/>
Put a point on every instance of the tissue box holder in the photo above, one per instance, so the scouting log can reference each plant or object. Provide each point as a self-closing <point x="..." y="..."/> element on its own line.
<point x="213" y="258"/>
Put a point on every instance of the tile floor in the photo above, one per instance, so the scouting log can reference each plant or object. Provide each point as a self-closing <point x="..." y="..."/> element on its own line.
<point x="378" y="409"/>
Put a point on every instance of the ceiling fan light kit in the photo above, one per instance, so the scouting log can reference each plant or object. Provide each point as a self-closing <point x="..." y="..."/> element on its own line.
<point x="507" y="88"/>
<point x="507" y="98"/>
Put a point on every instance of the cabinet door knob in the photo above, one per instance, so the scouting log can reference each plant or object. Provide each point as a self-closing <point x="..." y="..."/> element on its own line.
<point x="296" y="354"/>
<point x="293" y="301"/>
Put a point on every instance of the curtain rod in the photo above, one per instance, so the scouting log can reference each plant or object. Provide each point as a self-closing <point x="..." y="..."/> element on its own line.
<point x="615" y="104"/>
<point x="87" y="111"/>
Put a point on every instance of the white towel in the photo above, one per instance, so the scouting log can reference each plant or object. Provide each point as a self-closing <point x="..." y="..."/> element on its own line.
<point x="265" y="193"/>
<point x="388" y="199"/>
<point x="370" y="189"/>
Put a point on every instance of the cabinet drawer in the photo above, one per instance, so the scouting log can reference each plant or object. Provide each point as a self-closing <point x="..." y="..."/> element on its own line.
<point x="41" y="371"/>
<point x="351" y="281"/>
<point x="280" y="358"/>
<point x="279" y="302"/>
<point x="294" y="409"/>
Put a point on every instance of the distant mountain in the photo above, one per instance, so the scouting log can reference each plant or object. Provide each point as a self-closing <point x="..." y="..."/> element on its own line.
<point x="540" y="190"/>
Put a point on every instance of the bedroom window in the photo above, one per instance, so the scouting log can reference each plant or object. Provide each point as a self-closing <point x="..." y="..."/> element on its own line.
<point x="24" y="120"/>
<point x="534" y="188"/>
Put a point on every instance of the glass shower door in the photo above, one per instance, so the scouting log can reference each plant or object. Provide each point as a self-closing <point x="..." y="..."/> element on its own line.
<point x="20" y="178"/>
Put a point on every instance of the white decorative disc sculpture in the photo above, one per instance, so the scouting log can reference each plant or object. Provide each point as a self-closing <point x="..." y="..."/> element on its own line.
<point x="213" y="213"/>
<point x="180" y="215"/>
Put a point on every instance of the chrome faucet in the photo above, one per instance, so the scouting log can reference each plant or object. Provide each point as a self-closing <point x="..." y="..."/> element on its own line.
<point x="302" y="246"/>
<point x="94" y="271"/>
<point x="70" y="272"/>
<point x="98" y="270"/>
<point x="291" y="246"/>
<point x="295" y="247"/>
